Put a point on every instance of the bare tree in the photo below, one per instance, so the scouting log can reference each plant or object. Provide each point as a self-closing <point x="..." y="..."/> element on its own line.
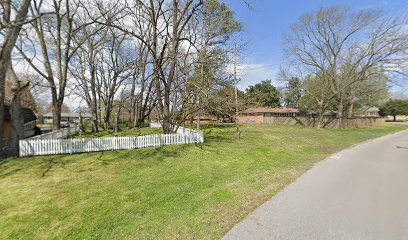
<point x="54" y="35"/>
<point x="84" y="67"/>
<point x="341" y="48"/>
<point x="114" y="68"/>
<point x="142" y="101"/>
<point x="170" y="33"/>
<point x="142" y="97"/>
<point x="10" y="29"/>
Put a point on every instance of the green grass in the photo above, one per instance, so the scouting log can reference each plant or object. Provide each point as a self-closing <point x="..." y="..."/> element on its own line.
<point x="124" y="132"/>
<point x="173" y="192"/>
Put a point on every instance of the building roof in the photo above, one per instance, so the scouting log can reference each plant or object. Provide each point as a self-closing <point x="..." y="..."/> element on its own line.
<point x="70" y="115"/>
<point x="28" y="114"/>
<point x="27" y="99"/>
<point x="271" y="110"/>
<point x="372" y="109"/>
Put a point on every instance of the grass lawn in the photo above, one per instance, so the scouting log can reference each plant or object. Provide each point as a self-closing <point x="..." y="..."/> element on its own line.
<point x="173" y="192"/>
<point x="124" y="132"/>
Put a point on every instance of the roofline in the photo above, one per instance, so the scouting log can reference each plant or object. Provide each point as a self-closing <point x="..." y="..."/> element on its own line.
<point x="270" y="110"/>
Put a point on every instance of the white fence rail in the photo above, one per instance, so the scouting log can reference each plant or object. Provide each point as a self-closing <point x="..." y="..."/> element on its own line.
<point x="63" y="133"/>
<point x="29" y="147"/>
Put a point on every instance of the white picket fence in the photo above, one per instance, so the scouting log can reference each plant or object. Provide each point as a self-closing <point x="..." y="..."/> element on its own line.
<point x="62" y="133"/>
<point x="29" y="147"/>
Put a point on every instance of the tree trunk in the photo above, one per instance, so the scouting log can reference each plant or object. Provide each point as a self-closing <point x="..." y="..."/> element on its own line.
<point x="117" y="121"/>
<point x="198" y="116"/>
<point x="132" y="115"/>
<point x="94" y="107"/>
<point x="2" y="92"/>
<point x="100" y="110"/>
<point x="18" y="125"/>
<point x="95" y="125"/>
<point x="56" y="116"/>
<point x="81" y="124"/>
<point x="339" y="115"/>
<point x="94" y="110"/>
<point x="320" y="117"/>
<point x="350" y="110"/>
<point x="9" y="41"/>
<point x="139" y="122"/>
<point x="107" y="116"/>
<point x="395" y="118"/>
<point x="166" y="125"/>
<point x="17" y="119"/>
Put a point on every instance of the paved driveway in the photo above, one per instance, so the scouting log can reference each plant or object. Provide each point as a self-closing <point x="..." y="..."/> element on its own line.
<point x="359" y="193"/>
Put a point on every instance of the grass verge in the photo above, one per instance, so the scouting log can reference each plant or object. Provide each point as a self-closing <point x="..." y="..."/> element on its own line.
<point x="124" y="132"/>
<point x="173" y="192"/>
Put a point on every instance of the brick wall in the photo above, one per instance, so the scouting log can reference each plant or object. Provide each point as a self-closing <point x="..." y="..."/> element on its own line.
<point x="250" y="119"/>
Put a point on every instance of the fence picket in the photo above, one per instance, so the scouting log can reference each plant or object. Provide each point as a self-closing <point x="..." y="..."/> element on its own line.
<point x="50" y="146"/>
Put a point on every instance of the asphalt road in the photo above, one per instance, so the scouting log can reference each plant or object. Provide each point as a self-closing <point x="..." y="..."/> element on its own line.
<point x="359" y="193"/>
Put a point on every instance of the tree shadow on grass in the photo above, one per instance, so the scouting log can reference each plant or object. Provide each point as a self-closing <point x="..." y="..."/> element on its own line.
<point x="138" y="157"/>
<point x="51" y="163"/>
<point x="218" y="137"/>
<point x="14" y="165"/>
<point x="8" y="169"/>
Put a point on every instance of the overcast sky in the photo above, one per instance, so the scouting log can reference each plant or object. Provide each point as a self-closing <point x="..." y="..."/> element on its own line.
<point x="266" y="23"/>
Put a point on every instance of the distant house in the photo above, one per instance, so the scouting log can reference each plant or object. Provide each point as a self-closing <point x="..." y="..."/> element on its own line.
<point x="66" y="118"/>
<point x="258" y="115"/>
<point x="369" y="112"/>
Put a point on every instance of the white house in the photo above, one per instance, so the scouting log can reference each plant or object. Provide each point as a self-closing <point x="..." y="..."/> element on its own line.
<point x="66" y="118"/>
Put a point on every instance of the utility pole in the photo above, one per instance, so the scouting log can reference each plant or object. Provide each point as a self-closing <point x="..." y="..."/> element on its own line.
<point x="236" y="89"/>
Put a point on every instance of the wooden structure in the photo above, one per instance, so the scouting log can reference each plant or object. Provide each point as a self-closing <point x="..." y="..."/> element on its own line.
<point x="27" y="109"/>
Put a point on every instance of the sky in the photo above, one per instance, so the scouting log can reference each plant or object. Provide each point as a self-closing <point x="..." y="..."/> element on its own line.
<point x="268" y="20"/>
